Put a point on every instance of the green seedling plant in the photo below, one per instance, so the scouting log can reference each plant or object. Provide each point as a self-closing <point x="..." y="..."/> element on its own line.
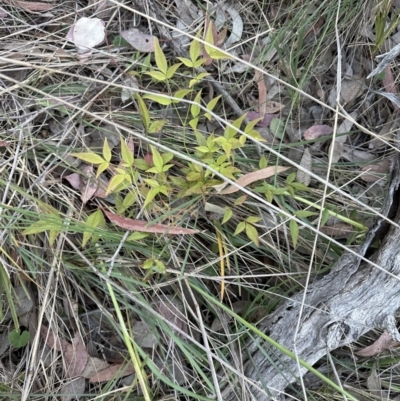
<point x="157" y="178"/>
<point x="383" y="29"/>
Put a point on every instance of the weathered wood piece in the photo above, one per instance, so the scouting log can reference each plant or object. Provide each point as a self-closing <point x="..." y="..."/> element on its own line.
<point x="352" y="299"/>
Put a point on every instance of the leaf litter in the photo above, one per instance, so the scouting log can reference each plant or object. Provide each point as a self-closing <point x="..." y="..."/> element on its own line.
<point x="231" y="32"/>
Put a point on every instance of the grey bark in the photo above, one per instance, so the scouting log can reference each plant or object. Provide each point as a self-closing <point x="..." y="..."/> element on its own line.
<point x="352" y="299"/>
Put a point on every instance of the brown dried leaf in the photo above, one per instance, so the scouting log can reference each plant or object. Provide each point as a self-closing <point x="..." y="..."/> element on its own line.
<point x="265" y="122"/>
<point x="88" y="185"/>
<point x="379" y="169"/>
<point x="262" y="94"/>
<point x="316" y="131"/>
<point x="173" y="309"/>
<point x="338" y="230"/>
<point x="384" y="342"/>
<point x="3" y="144"/>
<point x="52" y="340"/>
<point x="388" y="81"/>
<point x="94" y="366"/>
<point x="110" y="372"/>
<point x="76" y="356"/>
<point x="272" y="107"/>
<point x="74" y="179"/>
<point x="305" y="162"/>
<point x="140" y="225"/>
<point x="31" y="5"/>
<point x="222" y="36"/>
<point x="351" y="88"/>
<point x="73" y="389"/>
<point x="249" y="178"/>
<point x="144" y="336"/>
<point x="138" y="40"/>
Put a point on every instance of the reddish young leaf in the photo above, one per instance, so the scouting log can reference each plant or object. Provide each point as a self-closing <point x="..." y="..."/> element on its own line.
<point x="249" y="178"/>
<point x="140" y="225"/>
<point x="316" y="131"/>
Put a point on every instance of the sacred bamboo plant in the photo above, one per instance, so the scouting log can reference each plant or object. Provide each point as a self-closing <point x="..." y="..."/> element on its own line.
<point x="159" y="178"/>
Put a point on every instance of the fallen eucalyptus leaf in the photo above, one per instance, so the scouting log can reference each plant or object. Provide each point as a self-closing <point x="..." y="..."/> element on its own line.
<point x="138" y="40"/>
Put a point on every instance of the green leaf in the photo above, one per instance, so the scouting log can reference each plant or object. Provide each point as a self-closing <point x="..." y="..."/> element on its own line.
<point x="252" y="234"/>
<point x="215" y="54"/>
<point x="290" y="178"/>
<point x="250" y="126"/>
<point x="199" y="63"/>
<point x="180" y="94"/>
<point x="137" y="236"/>
<point x="277" y="128"/>
<point x="141" y="164"/>
<point x="240" y="227"/>
<point x="126" y="154"/>
<point x="148" y="264"/>
<point x="304" y="213"/>
<point x="193" y="123"/>
<point x="161" y="61"/>
<point x="253" y="219"/>
<point x="195" y="48"/>
<point x="152" y="183"/>
<point x="89" y="157"/>
<point x="102" y="167"/>
<point x="172" y="70"/>
<point x="129" y="199"/>
<point x="186" y="62"/>
<point x="231" y="132"/>
<point x="166" y="167"/>
<point x="106" y="151"/>
<point x="158" y="75"/>
<point x="151" y="195"/>
<point x="165" y="101"/>
<point x="227" y="148"/>
<point x="156" y="126"/>
<point x="263" y="163"/>
<point x="195" y="108"/>
<point x="167" y="157"/>
<point x="239" y="201"/>
<point x="159" y="266"/>
<point x="40" y="226"/>
<point x="95" y="220"/>
<point x="294" y="231"/>
<point x="202" y="149"/>
<point x="157" y="159"/>
<point x="198" y="78"/>
<point x="115" y="182"/>
<point x="210" y="106"/>
<point x="227" y="216"/>
<point x="201" y="139"/>
<point x="119" y="41"/>
<point x="255" y="135"/>
<point x="325" y="217"/>
<point x="18" y="339"/>
<point x="144" y="111"/>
